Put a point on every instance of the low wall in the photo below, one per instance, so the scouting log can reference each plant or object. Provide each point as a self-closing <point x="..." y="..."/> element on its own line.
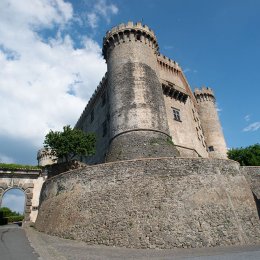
<point x="152" y="203"/>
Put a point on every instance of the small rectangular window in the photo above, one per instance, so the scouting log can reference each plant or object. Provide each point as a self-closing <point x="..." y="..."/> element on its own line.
<point x="92" y="116"/>
<point x="176" y="114"/>
<point x="211" y="148"/>
<point x="104" y="127"/>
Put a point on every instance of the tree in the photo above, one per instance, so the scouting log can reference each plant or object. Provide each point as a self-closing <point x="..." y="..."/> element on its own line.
<point x="8" y="212"/>
<point x="248" y="156"/>
<point x="70" y="143"/>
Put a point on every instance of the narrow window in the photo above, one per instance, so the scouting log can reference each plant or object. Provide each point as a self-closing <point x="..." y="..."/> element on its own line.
<point x="104" y="127"/>
<point x="211" y="148"/>
<point x="176" y="114"/>
<point x="104" y="99"/>
<point x="92" y="116"/>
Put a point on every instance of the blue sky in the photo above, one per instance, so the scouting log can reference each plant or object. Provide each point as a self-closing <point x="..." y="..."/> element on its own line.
<point x="14" y="199"/>
<point x="50" y="58"/>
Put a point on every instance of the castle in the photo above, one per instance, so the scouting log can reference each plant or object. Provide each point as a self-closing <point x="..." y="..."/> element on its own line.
<point x="160" y="177"/>
<point x="144" y="102"/>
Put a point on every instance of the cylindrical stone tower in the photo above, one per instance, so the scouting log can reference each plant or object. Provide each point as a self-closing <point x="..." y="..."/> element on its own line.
<point x="210" y="123"/>
<point x="138" y="125"/>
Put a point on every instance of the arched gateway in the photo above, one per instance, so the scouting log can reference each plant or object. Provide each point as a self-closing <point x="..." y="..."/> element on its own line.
<point x="29" y="181"/>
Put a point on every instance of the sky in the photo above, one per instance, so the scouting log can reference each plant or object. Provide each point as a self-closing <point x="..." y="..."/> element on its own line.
<point x="14" y="199"/>
<point x="51" y="61"/>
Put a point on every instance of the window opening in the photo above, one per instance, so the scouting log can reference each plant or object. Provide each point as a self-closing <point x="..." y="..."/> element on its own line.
<point x="211" y="148"/>
<point x="176" y="114"/>
<point x="104" y="126"/>
<point x="92" y="116"/>
<point x="104" y="99"/>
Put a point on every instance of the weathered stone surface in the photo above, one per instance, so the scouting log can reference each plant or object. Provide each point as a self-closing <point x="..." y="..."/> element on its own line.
<point x="28" y="185"/>
<point x="131" y="146"/>
<point x="144" y="90"/>
<point x="29" y="195"/>
<point x="155" y="203"/>
<point x="252" y="174"/>
<point x="3" y="185"/>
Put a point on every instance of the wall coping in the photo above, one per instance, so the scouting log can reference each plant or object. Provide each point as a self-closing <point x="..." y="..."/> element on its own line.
<point x="143" y="160"/>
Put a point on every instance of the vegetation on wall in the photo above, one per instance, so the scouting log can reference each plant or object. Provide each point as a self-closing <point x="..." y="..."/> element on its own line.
<point x="13" y="166"/>
<point x="248" y="156"/>
<point x="70" y="143"/>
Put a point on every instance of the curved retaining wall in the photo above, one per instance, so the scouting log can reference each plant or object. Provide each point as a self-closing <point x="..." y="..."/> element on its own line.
<point x="152" y="203"/>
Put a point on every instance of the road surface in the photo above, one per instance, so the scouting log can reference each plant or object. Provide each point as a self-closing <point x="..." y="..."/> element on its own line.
<point x="14" y="244"/>
<point x="17" y="244"/>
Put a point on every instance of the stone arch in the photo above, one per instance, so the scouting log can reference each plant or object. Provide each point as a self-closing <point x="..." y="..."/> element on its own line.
<point x="26" y="187"/>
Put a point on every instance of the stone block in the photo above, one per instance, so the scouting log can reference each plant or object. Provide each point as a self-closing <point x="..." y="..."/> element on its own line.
<point x="28" y="185"/>
<point x="3" y="185"/>
<point x="29" y="195"/>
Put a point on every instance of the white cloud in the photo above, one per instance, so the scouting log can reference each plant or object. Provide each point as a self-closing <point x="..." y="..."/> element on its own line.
<point x="247" y="118"/>
<point x="101" y="10"/>
<point x="189" y="70"/>
<point x="218" y="108"/>
<point x="252" y="127"/>
<point x="92" y="20"/>
<point x="44" y="83"/>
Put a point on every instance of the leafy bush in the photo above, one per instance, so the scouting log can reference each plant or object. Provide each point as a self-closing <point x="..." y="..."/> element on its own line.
<point x="248" y="156"/>
<point x="70" y="143"/>
<point x="7" y="212"/>
<point x="15" y="218"/>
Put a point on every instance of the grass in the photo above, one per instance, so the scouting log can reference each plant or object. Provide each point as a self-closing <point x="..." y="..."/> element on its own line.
<point x="13" y="166"/>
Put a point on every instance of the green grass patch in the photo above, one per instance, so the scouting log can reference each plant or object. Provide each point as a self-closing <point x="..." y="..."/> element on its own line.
<point x="13" y="166"/>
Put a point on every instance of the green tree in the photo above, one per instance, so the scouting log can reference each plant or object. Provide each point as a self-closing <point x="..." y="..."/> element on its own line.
<point x="70" y="143"/>
<point x="8" y="212"/>
<point x="248" y="156"/>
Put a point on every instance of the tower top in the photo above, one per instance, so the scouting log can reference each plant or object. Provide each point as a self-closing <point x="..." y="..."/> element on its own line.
<point x="203" y="90"/>
<point x="204" y="94"/>
<point x="128" y="32"/>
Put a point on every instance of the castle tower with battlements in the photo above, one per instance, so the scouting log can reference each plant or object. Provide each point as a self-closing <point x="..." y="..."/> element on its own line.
<point x="210" y="123"/>
<point x="144" y="104"/>
<point x="137" y="111"/>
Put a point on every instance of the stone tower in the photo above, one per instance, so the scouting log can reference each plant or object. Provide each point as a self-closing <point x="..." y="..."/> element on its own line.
<point x="210" y="123"/>
<point x="138" y="125"/>
<point x="45" y="157"/>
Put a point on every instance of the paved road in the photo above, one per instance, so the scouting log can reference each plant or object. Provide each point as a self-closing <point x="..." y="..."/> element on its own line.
<point x="14" y="244"/>
<point x="17" y="244"/>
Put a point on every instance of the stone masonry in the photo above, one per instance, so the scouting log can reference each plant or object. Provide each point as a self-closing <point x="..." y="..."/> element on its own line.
<point x="152" y="203"/>
<point x="166" y="182"/>
<point x="145" y="96"/>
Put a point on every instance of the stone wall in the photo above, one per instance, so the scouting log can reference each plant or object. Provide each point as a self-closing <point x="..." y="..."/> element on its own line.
<point x="152" y="203"/>
<point x="28" y="181"/>
<point x="252" y="174"/>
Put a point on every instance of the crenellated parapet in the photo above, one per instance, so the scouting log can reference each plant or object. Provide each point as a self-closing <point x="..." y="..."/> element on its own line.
<point x="92" y="100"/>
<point x="168" y="64"/>
<point x="129" y="32"/>
<point x="46" y="157"/>
<point x="204" y="94"/>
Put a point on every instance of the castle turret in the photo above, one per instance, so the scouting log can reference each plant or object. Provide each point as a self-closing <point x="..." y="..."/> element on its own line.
<point x="45" y="157"/>
<point x="210" y="123"/>
<point x="137" y="112"/>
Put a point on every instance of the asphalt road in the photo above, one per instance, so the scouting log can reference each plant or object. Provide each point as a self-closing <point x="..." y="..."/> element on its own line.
<point x="14" y="244"/>
<point x="18" y="244"/>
